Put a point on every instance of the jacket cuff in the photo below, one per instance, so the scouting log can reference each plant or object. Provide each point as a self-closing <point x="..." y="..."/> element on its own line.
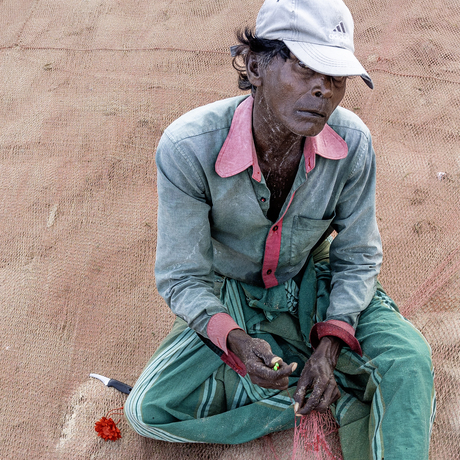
<point x="335" y="328"/>
<point x="218" y="328"/>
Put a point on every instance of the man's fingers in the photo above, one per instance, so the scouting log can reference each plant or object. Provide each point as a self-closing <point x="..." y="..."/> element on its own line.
<point x="331" y="395"/>
<point x="278" y="365"/>
<point x="279" y="384"/>
<point x="320" y="400"/>
<point x="301" y="393"/>
<point x="279" y="369"/>
<point x="313" y="400"/>
<point x="336" y="396"/>
<point x="268" y="377"/>
<point x="264" y="368"/>
<point x="267" y="357"/>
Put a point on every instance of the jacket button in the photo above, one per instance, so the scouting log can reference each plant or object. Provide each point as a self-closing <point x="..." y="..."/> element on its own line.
<point x="269" y="272"/>
<point x="275" y="228"/>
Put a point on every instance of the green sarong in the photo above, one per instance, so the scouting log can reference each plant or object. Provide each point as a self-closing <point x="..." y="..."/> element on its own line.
<point x="387" y="404"/>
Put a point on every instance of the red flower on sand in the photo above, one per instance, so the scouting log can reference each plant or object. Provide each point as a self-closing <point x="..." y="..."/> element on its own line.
<point x="107" y="429"/>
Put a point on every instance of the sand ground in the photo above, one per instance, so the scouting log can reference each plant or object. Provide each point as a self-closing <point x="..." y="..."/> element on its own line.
<point x="87" y="88"/>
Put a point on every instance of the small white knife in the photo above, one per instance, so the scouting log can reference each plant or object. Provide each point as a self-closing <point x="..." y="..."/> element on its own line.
<point x="120" y="386"/>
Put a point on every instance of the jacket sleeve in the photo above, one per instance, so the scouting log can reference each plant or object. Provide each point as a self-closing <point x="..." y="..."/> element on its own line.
<point x="183" y="268"/>
<point x="356" y="252"/>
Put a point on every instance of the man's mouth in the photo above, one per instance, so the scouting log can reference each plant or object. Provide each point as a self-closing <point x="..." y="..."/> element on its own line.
<point x="312" y="113"/>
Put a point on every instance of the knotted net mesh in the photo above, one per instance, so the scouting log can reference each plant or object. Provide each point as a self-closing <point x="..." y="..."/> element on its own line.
<point x="87" y="88"/>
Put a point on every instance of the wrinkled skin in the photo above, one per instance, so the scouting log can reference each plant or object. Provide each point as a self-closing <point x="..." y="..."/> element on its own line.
<point x="259" y="360"/>
<point x="317" y="375"/>
<point x="291" y="102"/>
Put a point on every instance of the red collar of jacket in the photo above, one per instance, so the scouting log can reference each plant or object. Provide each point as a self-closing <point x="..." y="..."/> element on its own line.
<point x="238" y="151"/>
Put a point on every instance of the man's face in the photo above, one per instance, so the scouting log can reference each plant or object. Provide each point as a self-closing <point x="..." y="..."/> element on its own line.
<point x="296" y="98"/>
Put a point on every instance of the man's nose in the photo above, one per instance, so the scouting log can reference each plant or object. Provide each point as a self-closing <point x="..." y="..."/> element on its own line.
<point x="322" y="86"/>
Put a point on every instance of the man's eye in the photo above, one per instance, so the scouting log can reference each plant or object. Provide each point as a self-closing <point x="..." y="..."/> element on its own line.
<point x="339" y="81"/>
<point x="301" y="64"/>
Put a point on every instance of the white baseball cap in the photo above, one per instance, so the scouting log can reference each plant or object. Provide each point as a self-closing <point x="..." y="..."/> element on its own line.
<point x="318" y="32"/>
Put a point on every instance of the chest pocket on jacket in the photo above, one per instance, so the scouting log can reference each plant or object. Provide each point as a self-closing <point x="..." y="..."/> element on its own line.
<point x="305" y="234"/>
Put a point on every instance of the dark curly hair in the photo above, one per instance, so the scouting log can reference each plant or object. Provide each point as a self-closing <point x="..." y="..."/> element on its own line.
<point x="264" y="48"/>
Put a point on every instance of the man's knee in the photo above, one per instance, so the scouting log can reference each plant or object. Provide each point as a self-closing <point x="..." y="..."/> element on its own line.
<point x="145" y="413"/>
<point x="409" y="362"/>
<point x="417" y="359"/>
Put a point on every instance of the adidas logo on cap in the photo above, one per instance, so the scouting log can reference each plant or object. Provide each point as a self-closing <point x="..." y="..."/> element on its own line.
<point x="339" y="33"/>
<point x="340" y="28"/>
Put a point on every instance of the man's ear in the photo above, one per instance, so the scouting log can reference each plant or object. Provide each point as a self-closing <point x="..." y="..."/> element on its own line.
<point x="253" y="69"/>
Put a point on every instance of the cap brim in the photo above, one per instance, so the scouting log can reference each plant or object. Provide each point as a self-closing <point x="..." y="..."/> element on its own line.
<point x="329" y="60"/>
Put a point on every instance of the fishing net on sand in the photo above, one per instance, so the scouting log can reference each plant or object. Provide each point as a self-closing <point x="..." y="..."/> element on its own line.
<point x="87" y="87"/>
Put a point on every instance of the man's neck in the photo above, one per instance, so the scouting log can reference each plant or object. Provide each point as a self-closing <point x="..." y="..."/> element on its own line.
<point x="278" y="152"/>
<point x="273" y="142"/>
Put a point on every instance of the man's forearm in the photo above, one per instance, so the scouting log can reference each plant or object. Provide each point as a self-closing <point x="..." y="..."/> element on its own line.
<point x="329" y="347"/>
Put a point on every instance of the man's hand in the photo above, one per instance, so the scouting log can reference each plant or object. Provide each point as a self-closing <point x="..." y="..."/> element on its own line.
<point x="318" y="375"/>
<point x="259" y="360"/>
